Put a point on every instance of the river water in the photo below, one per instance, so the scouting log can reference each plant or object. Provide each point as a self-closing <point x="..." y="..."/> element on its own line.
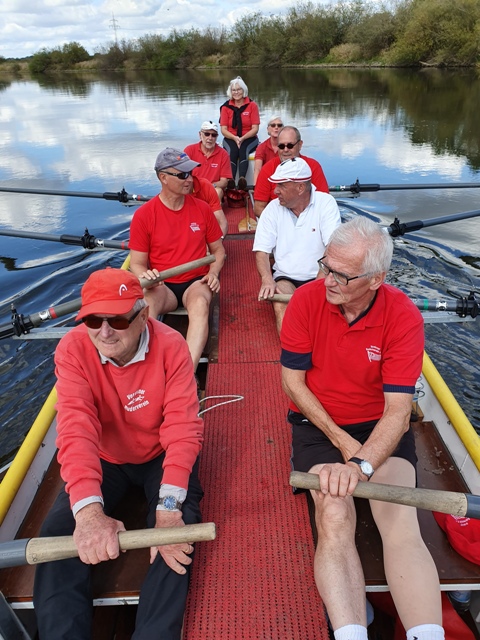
<point x="101" y="133"/>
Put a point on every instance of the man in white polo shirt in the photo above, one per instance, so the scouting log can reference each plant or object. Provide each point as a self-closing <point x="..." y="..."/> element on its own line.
<point x="296" y="228"/>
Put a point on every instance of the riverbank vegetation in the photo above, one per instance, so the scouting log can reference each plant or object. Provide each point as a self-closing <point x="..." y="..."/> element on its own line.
<point x="402" y="33"/>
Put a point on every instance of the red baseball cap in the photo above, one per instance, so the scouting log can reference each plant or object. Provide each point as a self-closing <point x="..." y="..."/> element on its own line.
<point x="463" y="534"/>
<point x="109" y="291"/>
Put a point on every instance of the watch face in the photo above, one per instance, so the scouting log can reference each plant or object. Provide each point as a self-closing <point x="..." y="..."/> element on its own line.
<point x="366" y="468"/>
<point x="170" y="503"/>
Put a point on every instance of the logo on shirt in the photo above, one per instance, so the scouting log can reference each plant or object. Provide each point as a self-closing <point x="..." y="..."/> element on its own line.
<point x="194" y="227"/>
<point x="214" y="165"/>
<point x="374" y="353"/>
<point x="136" y="401"/>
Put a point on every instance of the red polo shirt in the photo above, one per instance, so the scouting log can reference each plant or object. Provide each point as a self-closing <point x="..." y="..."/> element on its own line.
<point x="349" y="368"/>
<point x="213" y="167"/>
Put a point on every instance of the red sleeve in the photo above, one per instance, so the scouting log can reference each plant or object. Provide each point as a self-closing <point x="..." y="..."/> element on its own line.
<point x="225" y="166"/>
<point x="210" y="196"/>
<point x="254" y="113"/>
<point x="214" y="232"/>
<point x="225" y="117"/>
<point x="263" y="187"/>
<point x="318" y="178"/>
<point x="260" y="151"/>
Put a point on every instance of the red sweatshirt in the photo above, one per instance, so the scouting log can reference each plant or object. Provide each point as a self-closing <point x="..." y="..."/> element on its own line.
<point x="127" y="414"/>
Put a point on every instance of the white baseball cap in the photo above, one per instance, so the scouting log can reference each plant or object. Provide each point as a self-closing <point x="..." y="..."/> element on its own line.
<point x="292" y="170"/>
<point x="208" y="125"/>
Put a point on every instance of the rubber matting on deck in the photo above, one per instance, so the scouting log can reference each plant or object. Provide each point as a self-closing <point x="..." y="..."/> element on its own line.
<point x="255" y="581"/>
<point x="247" y="327"/>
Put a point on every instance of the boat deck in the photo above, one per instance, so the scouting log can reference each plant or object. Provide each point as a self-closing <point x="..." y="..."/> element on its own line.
<point x="256" y="579"/>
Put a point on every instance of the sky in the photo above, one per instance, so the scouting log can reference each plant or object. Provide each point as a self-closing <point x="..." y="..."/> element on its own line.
<point x="27" y="26"/>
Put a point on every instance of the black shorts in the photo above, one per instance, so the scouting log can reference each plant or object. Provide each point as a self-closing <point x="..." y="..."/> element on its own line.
<point x="296" y="283"/>
<point x="311" y="446"/>
<point x="179" y="288"/>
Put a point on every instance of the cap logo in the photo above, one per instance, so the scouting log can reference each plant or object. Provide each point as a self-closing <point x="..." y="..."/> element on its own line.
<point x="121" y="289"/>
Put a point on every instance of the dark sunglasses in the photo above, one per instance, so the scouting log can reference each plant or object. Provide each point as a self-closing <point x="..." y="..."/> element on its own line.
<point x="289" y="145"/>
<point x="208" y="134"/>
<point x="277" y="126"/>
<point x="119" y="323"/>
<point x="181" y="176"/>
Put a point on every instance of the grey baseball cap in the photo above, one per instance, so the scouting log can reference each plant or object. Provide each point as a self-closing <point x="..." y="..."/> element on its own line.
<point x="174" y="158"/>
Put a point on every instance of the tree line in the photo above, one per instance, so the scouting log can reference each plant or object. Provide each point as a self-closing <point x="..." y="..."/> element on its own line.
<point x="402" y="33"/>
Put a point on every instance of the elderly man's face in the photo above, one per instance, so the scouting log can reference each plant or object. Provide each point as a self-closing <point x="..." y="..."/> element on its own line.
<point x="349" y="262"/>
<point x="119" y="345"/>
<point x="288" y="137"/>
<point x="288" y="193"/>
<point x="209" y="139"/>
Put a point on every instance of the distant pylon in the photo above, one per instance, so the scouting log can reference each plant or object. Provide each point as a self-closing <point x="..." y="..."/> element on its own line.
<point x="114" y="26"/>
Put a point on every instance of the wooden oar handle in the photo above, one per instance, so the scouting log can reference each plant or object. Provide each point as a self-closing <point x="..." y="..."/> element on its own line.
<point x="176" y="271"/>
<point x="457" y="504"/>
<point x="279" y="297"/>
<point x="58" y="548"/>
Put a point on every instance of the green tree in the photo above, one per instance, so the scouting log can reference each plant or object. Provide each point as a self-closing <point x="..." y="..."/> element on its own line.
<point x="72" y="53"/>
<point x="439" y="32"/>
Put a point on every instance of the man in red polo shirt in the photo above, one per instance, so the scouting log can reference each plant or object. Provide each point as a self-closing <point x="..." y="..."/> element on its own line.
<point x="289" y="146"/>
<point x="352" y="350"/>
<point x="171" y="229"/>
<point x="214" y="161"/>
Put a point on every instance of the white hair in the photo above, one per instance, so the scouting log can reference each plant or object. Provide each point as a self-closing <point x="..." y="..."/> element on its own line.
<point x="378" y="243"/>
<point x="233" y="83"/>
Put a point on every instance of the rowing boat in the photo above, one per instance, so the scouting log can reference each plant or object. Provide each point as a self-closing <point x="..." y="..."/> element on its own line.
<point x="244" y="363"/>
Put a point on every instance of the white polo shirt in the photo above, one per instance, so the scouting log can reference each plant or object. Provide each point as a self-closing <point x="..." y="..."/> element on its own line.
<point x="297" y="243"/>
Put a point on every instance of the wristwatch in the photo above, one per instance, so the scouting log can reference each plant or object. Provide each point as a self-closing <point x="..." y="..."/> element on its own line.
<point x="169" y="503"/>
<point x="365" y="466"/>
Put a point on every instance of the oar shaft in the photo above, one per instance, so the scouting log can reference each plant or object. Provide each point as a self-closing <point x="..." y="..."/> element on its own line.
<point x="26" y="323"/>
<point x="39" y="550"/>
<point x="87" y="241"/>
<point x="458" y="504"/>
<point x="119" y="196"/>
<point x="358" y="187"/>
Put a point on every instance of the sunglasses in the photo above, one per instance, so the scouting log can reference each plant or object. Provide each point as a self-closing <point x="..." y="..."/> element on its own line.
<point x="181" y="176"/>
<point x="119" y="323"/>
<point x="289" y="145"/>
<point x="208" y="134"/>
<point x="277" y="126"/>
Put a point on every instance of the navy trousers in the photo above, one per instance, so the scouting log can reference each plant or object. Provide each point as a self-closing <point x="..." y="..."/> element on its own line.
<point x="239" y="155"/>
<point x="62" y="589"/>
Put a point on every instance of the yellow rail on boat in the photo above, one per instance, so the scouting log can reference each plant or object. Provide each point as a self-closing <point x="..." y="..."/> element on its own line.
<point x="454" y="411"/>
<point x="25" y="455"/>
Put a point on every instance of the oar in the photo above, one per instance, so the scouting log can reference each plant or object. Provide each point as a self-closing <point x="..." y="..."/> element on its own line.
<point x="87" y="241"/>
<point x="357" y="187"/>
<point x="399" y="229"/>
<point x="38" y="550"/>
<point x="457" y="504"/>
<point x="21" y="324"/>
<point x="119" y="196"/>
<point x="461" y="306"/>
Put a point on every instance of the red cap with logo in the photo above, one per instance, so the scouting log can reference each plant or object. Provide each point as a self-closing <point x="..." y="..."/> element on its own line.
<point x="112" y="291"/>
